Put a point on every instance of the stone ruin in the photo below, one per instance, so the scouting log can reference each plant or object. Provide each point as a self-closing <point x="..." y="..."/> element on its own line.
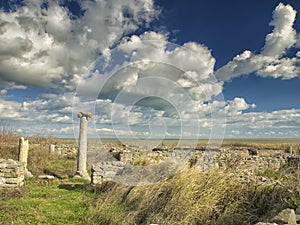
<point x="106" y="171"/>
<point x="11" y="173"/>
<point x="64" y="150"/>
<point x="240" y="159"/>
<point x="285" y="217"/>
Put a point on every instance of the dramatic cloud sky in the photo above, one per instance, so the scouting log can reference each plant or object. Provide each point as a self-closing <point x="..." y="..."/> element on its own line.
<point x="151" y="69"/>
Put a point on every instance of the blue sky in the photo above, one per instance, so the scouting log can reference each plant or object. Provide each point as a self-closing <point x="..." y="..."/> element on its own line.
<point x="150" y="69"/>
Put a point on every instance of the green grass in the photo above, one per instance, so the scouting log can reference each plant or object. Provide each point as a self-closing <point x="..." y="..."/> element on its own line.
<point x="47" y="204"/>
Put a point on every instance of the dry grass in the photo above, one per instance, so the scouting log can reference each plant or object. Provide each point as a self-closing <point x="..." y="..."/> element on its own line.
<point x="264" y="143"/>
<point x="190" y="197"/>
<point x="7" y="134"/>
<point x="40" y="160"/>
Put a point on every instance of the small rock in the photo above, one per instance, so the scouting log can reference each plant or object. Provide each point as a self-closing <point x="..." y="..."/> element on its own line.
<point x="286" y="216"/>
<point x="46" y="177"/>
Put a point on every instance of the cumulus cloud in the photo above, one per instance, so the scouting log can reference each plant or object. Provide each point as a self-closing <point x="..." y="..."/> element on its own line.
<point x="283" y="35"/>
<point x="152" y="85"/>
<point x="8" y="109"/>
<point x="148" y="56"/>
<point x="271" y="61"/>
<point x="279" y="123"/>
<point x="44" y="47"/>
<point x="143" y="82"/>
<point x="237" y="105"/>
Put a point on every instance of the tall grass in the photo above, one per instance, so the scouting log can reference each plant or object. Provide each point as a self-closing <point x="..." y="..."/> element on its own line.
<point x="190" y="197"/>
<point x="7" y="133"/>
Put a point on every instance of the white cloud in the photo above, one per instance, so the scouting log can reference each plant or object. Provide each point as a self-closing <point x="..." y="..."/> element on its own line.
<point x="9" y="109"/>
<point x="151" y="86"/>
<point x="283" y="35"/>
<point x="121" y="133"/>
<point x="271" y="61"/>
<point x="237" y="105"/>
<point x="45" y="47"/>
<point x="148" y="58"/>
<point x="286" y="68"/>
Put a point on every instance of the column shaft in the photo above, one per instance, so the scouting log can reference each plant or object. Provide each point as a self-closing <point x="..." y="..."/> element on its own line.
<point x="23" y="151"/>
<point x="82" y="150"/>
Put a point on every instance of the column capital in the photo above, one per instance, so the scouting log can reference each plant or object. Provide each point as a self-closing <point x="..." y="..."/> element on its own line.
<point x="84" y="114"/>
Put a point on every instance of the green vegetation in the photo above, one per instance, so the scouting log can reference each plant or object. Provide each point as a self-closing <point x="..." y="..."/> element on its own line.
<point x="189" y="197"/>
<point x="42" y="203"/>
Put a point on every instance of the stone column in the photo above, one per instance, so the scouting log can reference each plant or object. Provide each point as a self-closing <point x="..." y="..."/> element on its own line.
<point x="52" y="148"/>
<point x="23" y="151"/>
<point x="23" y="155"/>
<point x="82" y="146"/>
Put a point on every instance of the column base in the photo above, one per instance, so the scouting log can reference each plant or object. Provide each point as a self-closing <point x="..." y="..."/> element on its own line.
<point x="27" y="174"/>
<point x="83" y="174"/>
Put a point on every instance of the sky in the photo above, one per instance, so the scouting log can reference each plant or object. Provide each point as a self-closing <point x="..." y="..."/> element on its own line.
<point x="151" y="68"/>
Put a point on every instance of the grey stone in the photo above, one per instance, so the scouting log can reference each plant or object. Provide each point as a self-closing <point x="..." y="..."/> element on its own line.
<point x="46" y="177"/>
<point x="286" y="216"/>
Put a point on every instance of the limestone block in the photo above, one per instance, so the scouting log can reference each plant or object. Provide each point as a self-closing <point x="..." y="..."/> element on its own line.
<point x="46" y="177"/>
<point x="3" y="165"/>
<point x="286" y="216"/>
<point x="2" y="181"/>
<point x="14" y="180"/>
<point x="10" y="175"/>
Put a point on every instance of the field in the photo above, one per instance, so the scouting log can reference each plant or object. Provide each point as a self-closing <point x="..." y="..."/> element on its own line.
<point x="189" y="197"/>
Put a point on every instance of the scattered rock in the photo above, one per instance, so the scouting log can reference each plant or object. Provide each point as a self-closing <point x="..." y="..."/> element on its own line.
<point x="61" y="174"/>
<point x="46" y="177"/>
<point x="286" y="216"/>
<point x="252" y="151"/>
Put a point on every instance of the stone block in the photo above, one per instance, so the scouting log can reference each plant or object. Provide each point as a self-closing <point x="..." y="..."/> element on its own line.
<point x="3" y="165"/>
<point x="2" y="181"/>
<point x="12" y="166"/>
<point x="286" y="216"/>
<point x="11" y="175"/>
<point x="46" y="177"/>
<point x="14" y="180"/>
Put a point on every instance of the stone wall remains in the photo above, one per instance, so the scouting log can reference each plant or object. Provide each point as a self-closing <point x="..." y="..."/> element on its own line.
<point x="106" y="170"/>
<point x="11" y="173"/>
<point x="244" y="160"/>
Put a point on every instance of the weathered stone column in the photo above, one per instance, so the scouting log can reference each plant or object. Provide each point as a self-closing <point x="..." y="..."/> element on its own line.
<point x="23" y="155"/>
<point x="82" y="146"/>
<point x="52" y="148"/>
<point x="23" y="151"/>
